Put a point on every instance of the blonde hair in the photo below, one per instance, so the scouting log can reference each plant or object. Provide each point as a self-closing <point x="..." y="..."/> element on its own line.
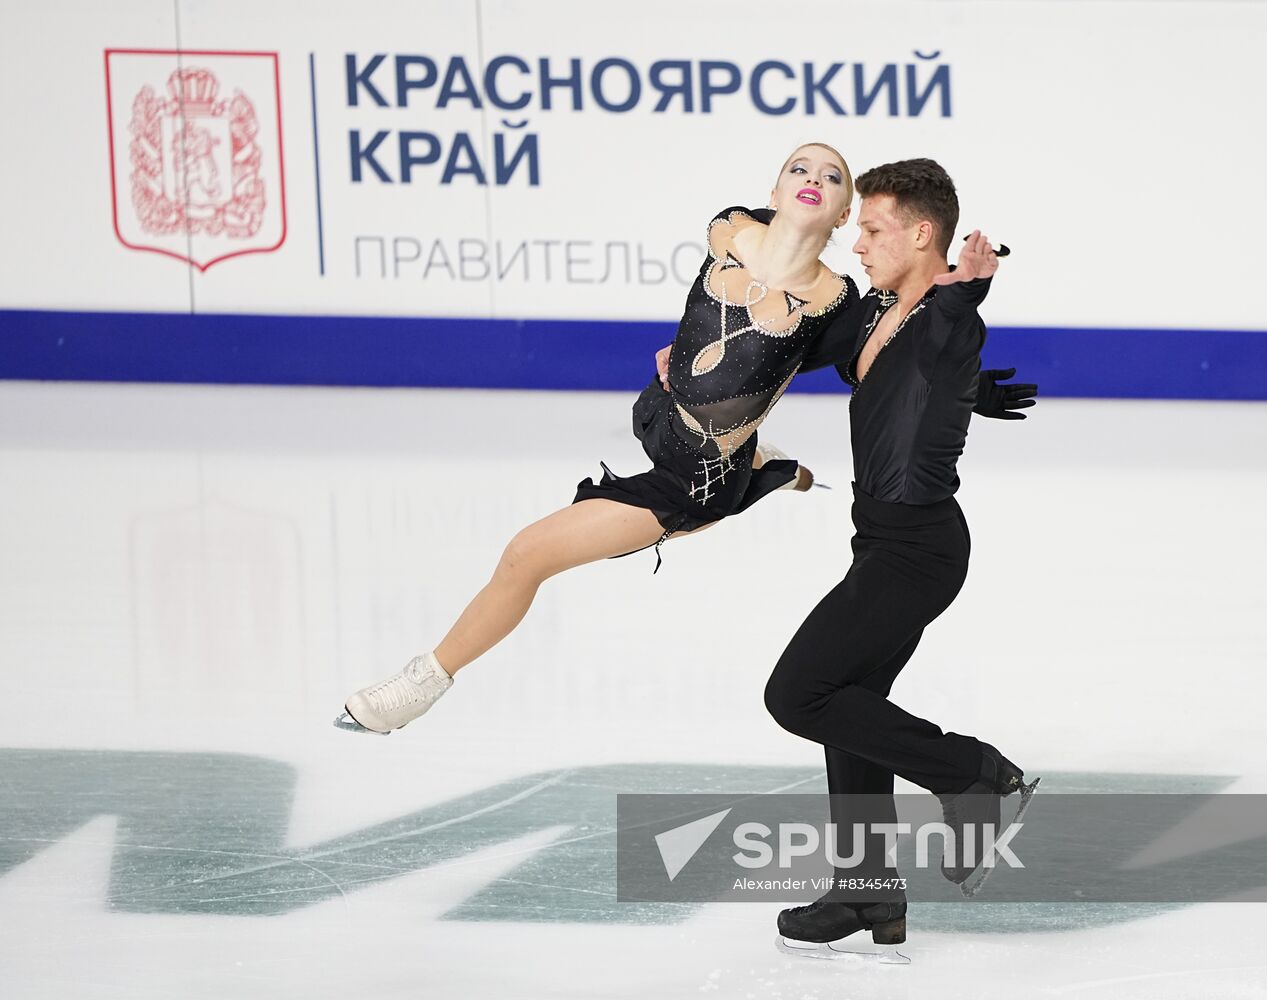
<point x="844" y="165"/>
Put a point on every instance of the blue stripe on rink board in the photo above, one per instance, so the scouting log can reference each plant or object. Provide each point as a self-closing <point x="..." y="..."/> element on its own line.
<point x="561" y="354"/>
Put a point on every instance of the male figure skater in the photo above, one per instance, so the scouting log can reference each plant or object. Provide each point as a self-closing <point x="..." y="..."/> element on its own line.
<point x="914" y="376"/>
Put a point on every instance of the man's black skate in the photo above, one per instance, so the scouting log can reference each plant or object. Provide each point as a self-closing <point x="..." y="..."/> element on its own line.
<point x="818" y="929"/>
<point x="969" y="812"/>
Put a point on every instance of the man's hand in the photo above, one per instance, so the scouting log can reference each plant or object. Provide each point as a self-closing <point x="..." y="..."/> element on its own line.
<point x="1000" y="401"/>
<point x="662" y="365"/>
<point x="977" y="259"/>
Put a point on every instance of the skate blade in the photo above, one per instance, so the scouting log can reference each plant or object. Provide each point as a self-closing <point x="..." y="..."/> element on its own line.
<point x="837" y="951"/>
<point x="973" y="883"/>
<point x="348" y="724"/>
<point x="821" y="486"/>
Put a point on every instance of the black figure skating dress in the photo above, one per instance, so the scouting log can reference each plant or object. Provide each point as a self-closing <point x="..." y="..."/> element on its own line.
<point x="739" y="344"/>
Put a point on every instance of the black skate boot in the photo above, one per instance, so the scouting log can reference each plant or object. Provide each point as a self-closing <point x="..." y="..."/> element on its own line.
<point x="817" y="930"/>
<point x="969" y="812"/>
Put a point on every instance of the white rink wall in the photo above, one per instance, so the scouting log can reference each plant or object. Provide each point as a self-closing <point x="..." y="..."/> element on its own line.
<point x="1112" y="144"/>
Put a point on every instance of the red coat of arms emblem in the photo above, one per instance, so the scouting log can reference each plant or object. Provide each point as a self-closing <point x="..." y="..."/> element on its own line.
<point x="196" y="153"/>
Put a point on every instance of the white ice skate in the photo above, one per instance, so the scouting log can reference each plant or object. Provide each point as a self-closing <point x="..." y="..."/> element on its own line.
<point x="398" y="700"/>
<point x="804" y="478"/>
<point x="843" y="950"/>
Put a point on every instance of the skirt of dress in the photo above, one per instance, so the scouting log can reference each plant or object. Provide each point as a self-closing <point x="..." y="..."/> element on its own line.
<point x="681" y="490"/>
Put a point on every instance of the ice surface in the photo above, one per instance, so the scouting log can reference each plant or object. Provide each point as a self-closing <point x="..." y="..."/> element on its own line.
<point x="194" y="577"/>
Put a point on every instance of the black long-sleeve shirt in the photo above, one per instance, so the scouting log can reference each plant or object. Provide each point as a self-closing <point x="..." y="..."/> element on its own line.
<point x="909" y="415"/>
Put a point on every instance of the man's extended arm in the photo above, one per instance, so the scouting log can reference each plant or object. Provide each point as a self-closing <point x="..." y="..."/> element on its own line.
<point x="1001" y="401"/>
<point x="964" y="289"/>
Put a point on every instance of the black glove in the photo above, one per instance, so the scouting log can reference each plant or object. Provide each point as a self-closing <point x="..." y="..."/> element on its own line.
<point x="994" y="400"/>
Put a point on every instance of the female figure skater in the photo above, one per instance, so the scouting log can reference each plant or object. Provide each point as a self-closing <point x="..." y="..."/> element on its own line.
<point x="762" y="308"/>
<point x="756" y="314"/>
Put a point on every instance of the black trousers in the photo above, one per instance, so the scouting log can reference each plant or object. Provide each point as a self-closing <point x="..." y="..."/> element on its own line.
<point x="831" y="684"/>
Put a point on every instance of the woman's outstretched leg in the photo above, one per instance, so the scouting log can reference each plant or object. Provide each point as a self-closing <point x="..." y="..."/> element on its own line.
<point x="581" y="533"/>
